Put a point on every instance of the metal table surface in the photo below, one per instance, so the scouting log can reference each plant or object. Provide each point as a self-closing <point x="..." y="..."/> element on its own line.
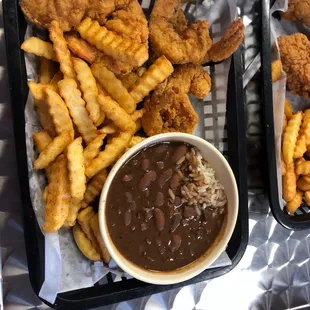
<point x="273" y="274"/>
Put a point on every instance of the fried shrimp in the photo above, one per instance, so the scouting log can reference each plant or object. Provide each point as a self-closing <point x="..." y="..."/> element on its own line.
<point x="188" y="79"/>
<point x="228" y="44"/>
<point x="170" y="35"/>
<point x="168" y="112"/>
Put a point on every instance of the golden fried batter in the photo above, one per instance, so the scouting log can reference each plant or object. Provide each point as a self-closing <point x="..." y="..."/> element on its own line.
<point x="298" y="10"/>
<point x="170" y="36"/>
<point x="168" y="112"/>
<point x="295" y="58"/>
<point x="188" y="79"/>
<point x="228" y="44"/>
<point x="43" y="12"/>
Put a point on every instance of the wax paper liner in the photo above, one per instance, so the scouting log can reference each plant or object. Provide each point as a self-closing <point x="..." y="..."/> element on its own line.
<point x="66" y="269"/>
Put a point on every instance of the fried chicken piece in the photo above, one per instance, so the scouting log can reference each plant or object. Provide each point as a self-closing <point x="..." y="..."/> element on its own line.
<point x="130" y="22"/>
<point x="228" y="44"/>
<point x="295" y="58"/>
<point x="188" y="79"/>
<point x="170" y="36"/>
<point x="298" y="10"/>
<point x="43" y="12"/>
<point x="168" y="112"/>
<point x="125" y="17"/>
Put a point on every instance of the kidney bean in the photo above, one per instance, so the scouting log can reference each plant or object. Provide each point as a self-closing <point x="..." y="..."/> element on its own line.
<point x="145" y="164"/>
<point x="161" y="148"/>
<point x="159" y="219"/>
<point x="160" y="165"/>
<point x="175" y="222"/>
<point x="189" y="212"/>
<point x="146" y="180"/>
<point x="175" y="242"/>
<point x="127" y="218"/>
<point x="164" y="177"/>
<point x="146" y="193"/>
<point x="175" y="181"/>
<point x="133" y="206"/>
<point x="160" y="199"/>
<point x="179" y="152"/>
<point x="128" y="197"/>
<point x="127" y="177"/>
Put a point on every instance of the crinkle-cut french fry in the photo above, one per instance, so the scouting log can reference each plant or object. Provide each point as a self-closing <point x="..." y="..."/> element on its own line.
<point x="84" y="218"/>
<point x="115" y="113"/>
<point x="84" y="244"/>
<point x="40" y="48"/>
<point x="94" y="188"/>
<point x="137" y="114"/>
<point x="303" y="168"/>
<point x="289" y="183"/>
<point x="42" y="139"/>
<point x="298" y="161"/>
<point x="88" y="87"/>
<point x="76" y="105"/>
<point x="135" y="140"/>
<point x="290" y="137"/>
<point x="76" y="169"/>
<point x="101" y="90"/>
<point x="307" y="198"/>
<point x="74" y="208"/>
<point x="94" y="224"/>
<point x="59" y="113"/>
<point x="153" y="76"/>
<point x="47" y="70"/>
<point x="93" y="149"/>
<point x="37" y="89"/>
<point x="111" y="152"/>
<point x="112" y="44"/>
<point x="81" y="48"/>
<point x="100" y="119"/>
<point x="295" y="203"/>
<point x="45" y="118"/>
<point x="108" y="129"/>
<point x="276" y="70"/>
<point x="303" y="185"/>
<point x="55" y="148"/>
<point x="288" y="109"/>
<point x="138" y="125"/>
<point x="304" y="136"/>
<point x="61" y="50"/>
<point x="58" y="197"/>
<point x="113" y="86"/>
<point x="58" y="76"/>
<point x="283" y="167"/>
<point x="140" y="71"/>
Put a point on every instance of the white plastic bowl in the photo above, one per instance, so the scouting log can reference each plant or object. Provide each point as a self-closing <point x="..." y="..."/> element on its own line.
<point x="226" y="177"/>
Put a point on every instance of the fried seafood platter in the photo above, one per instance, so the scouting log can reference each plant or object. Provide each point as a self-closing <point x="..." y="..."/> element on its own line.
<point x="108" y="78"/>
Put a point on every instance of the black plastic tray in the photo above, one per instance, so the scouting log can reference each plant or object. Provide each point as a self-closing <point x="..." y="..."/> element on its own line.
<point x="15" y="26"/>
<point x="300" y="220"/>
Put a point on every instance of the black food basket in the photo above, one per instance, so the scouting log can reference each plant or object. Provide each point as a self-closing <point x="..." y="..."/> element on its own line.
<point x="300" y="220"/>
<point x="112" y="292"/>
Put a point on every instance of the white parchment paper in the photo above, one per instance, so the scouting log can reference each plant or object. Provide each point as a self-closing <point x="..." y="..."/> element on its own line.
<point x="279" y="28"/>
<point x="66" y="269"/>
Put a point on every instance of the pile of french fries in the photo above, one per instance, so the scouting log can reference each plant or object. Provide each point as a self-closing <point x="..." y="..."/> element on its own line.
<point x="89" y="118"/>
<point x="295" y="151"/>
<point x="295" y="157"/>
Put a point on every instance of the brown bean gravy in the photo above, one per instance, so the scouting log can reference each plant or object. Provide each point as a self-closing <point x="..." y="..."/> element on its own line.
<point x="146" y="218"/>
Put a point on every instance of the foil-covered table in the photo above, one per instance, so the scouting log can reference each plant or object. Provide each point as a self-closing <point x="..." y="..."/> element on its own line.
<point x="274" y="272"/>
